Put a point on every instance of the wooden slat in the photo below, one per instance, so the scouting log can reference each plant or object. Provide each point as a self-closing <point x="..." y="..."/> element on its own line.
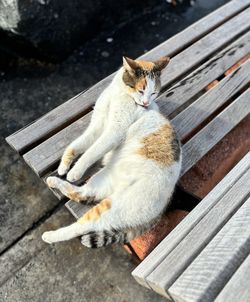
<point x="210" y="271"/>
<point x="207" y="104"/>
<point x="189" y="222"/>
<point x="209" y="136"/>
<point x="205" y="47"/>
<point x="76" y="209"/>
<point x="237" y="289"/>
<point x="44" y="156"/>
<point x="187" y="250"/>
<point x="180" y="93"/>
<point x="61" y="116"/>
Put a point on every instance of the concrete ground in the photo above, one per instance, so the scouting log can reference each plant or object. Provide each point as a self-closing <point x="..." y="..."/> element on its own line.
<point x="30" y="269"/>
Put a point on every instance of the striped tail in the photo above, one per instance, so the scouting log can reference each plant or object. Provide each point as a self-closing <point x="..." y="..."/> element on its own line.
<point x="103" y="238"/>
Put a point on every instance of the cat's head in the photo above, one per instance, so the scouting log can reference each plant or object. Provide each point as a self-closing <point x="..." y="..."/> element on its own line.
<point x="142" y="79"/>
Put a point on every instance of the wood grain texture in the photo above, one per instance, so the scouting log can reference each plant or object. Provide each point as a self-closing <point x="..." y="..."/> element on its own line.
<point x="71" y="110"/>
<point x="44" y="156"/>
<point x="208" y="103"/>
<point x="77" y="209"/>
<point x="165" y="274"/>
<point x="213" y="132"/>
<point x="180" y="93"/>
<point x="189" y="222"/>
<point x="237" y="288"/>
<point x="210" y="271"/>
<point x="205" y="47"/>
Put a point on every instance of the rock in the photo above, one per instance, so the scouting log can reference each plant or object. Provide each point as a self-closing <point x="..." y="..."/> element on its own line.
<point x="53" y="28"/>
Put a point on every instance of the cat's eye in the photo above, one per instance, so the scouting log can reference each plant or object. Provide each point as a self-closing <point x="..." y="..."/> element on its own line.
<point x="153" y="93"/>
<point x="140" y="91"/>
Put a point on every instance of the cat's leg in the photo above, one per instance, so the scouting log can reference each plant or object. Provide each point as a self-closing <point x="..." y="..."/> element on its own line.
<point x="67" y="189"/>
<point x="82" y="143"/>
<point x="66" y="233"/>
<point x="112" y="136"/>
<point x="98" y="187"/>
<point x="139" y="205"/>
<point x="87" y="223"/>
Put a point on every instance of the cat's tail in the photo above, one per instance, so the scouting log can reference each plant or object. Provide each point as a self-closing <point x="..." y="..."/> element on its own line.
<point x="103" y="238"/>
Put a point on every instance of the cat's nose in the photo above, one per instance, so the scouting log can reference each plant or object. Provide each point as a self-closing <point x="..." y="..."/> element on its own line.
<point x="145" y="103"/>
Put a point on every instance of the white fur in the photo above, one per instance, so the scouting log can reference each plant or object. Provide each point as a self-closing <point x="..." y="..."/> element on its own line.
<point x="148" y="95"/>
<point x="139" y="188"/>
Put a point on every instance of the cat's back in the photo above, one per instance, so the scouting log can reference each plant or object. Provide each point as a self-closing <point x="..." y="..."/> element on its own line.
<point x="159" y="142"/>
<point x="153" y="138"/>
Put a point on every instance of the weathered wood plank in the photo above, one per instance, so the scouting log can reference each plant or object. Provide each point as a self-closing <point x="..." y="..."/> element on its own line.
<point x="210" y="271"/>
<point x="237" y="289"/>
<point x="208" y="103"/>
<point x="179" y="94"/>
<point x="45" y="155"/>
<point x="189" y="222"/>
<point x="76" y="209"/>
<point x="187" y="250"/>
<point x="208" y="137"/>
<point x="205" y="47"/>
<point x="68" y="112"/>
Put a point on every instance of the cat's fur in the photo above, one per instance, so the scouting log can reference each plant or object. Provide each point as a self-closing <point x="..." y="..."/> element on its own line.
<point x="142" y="160"/>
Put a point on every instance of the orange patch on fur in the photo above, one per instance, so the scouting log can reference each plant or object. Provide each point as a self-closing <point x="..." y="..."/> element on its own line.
<point x="158" y="146"/>
<point x="146" y="65"/>
<point x="141" y="84"/>
<point x="68" y="155"/>
<point x="96" y="212"/>
<point x="76" y="196"/>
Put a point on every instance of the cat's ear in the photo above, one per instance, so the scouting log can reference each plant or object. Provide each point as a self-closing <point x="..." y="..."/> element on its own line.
<point x="161" y="63"/>
<point x="129" y="64"/>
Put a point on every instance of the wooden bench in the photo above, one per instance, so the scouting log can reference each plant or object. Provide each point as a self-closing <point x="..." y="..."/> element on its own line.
<point x="200" y="54"/>
<point x="196" y="260"/>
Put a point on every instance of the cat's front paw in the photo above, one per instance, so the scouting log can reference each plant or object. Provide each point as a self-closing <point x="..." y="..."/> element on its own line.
<point x="74" y="175"/>
<point x="52" y="181"/>
<point x="48" y="237"/>
<point x="62" y="169"/>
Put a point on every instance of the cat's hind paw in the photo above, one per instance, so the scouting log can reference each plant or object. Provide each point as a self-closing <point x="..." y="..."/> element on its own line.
<point x="62" y="169"/>
<point x="74" y="175"/>
<point x="52" y="181"/>
<point x="48" y="237"/>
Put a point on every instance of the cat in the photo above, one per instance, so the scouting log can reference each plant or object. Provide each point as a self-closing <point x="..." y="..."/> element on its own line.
<point x="141" y="160"/>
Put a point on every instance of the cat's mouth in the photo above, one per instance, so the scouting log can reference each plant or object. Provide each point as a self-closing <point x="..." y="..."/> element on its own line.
<point x="143" y="105"/>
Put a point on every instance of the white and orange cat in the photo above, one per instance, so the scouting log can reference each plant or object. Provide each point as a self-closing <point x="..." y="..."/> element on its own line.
<point x="141" y="158"/>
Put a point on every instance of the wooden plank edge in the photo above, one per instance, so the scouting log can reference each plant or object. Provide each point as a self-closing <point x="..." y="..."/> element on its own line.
<point x="218" y="260"/>
<point x="240" y="107"/>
